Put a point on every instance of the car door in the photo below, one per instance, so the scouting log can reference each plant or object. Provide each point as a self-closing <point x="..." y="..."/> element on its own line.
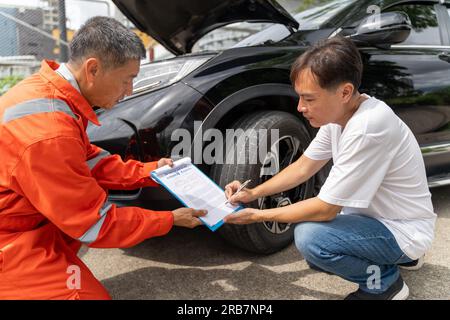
<point x="413" y="77"/>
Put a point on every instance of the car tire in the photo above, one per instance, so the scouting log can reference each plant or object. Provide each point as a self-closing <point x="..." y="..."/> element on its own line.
<point x="294" y="138"/>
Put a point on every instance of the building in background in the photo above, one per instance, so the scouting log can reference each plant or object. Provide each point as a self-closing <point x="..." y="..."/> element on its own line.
<point x="23" y="33"/>
<point x="51" y="15"/>
<point x="30" y="42"/>
<point x="8" y="36"/>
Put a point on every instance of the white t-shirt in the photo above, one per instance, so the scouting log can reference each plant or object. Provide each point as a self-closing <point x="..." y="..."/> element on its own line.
<point x="379" y="172"/>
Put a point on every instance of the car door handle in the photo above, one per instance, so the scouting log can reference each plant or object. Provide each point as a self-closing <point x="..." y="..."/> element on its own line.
<point x="444" y="56"/>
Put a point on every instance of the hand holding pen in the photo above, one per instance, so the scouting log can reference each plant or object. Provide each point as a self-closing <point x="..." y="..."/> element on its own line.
<point x="236" y="192"/>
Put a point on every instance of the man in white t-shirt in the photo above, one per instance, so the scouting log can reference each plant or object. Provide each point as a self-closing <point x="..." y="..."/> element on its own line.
<point x="374" y="211"/>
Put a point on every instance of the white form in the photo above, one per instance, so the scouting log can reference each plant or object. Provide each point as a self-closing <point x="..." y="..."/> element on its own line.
<point x="195" y="190"/>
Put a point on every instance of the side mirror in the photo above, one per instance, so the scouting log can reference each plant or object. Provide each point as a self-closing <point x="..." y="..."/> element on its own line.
<point x="383" y="30"/>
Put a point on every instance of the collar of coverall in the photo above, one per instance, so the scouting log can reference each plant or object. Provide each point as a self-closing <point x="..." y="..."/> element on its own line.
<point x="82" y="106"/>
<point x="64" y="72"/>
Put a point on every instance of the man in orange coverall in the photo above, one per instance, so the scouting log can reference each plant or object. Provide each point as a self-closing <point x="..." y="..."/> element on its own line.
<point x="53" y="182"/>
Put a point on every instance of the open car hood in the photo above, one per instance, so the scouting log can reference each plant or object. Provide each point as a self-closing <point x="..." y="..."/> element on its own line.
<point x="178" y="24"/>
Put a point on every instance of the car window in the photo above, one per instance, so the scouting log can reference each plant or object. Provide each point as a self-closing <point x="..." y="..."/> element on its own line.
<point x="425" y="29"/>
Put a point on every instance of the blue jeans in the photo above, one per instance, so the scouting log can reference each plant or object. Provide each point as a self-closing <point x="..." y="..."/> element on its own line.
<point x="357" y="248"/>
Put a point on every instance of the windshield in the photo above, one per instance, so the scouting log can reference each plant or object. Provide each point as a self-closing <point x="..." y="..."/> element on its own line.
<point x="310" y="19"/>
<point x="313" y="18"/>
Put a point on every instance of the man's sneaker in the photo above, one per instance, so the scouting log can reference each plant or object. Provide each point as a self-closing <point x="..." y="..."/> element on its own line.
<point x="397" y="291"/>
<point x="413" y="265"/>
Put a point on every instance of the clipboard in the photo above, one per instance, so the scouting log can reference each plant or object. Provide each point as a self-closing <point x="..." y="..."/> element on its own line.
<point x="194" y="189"/>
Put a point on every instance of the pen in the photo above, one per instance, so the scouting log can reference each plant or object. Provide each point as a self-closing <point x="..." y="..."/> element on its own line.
<point x="239" y="189"/>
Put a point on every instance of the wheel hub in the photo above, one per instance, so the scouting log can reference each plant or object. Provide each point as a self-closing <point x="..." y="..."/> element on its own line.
<point x="283" y="202"/>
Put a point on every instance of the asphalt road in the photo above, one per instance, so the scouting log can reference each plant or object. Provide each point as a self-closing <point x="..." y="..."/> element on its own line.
<point x="196" y="264"/>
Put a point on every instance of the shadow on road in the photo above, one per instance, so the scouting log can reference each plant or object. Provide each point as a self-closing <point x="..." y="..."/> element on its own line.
<point x="254" y="282"/>
<point x="201" y="248"/>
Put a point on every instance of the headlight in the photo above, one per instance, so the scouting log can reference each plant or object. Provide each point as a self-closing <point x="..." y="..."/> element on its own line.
<point x="159" y="74"/>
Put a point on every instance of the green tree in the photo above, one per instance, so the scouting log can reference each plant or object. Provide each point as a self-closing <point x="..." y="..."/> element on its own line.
<point x="8" y="82"/>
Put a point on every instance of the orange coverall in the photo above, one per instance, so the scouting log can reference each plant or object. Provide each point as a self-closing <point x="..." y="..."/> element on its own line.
<point x="53" y="192"/>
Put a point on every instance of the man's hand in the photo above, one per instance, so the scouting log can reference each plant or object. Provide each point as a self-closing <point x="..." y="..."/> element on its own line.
<point x="187" y="217"/>
<point x="244" y="196"/>
<point x="244" y="216"/>
<point x="163" y="161"/>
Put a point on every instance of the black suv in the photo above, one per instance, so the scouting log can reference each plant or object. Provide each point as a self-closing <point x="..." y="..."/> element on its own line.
<point x="405" y="46"/>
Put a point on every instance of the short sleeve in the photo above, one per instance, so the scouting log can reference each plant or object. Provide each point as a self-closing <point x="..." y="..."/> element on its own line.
<point x="320" y="147"/>
<point x="358" y="172"/>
